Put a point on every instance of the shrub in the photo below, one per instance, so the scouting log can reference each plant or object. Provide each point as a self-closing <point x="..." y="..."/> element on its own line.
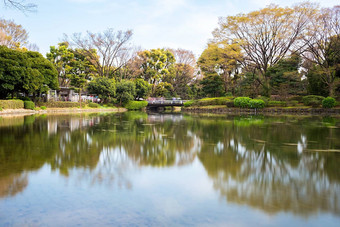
<point x="213" y="101"/>
<point x="313" y="100"/>
<point x="277" y="104"/>
<point x="293" y="103"/>
<point x="0" y="109"/>
<point x="11" y="104"/>
<point x="136" y="105"/>
<point x="256" y="104"/>
<point x="60" y="104"/>
<point x="188" y="103"/>
<point x="43" y="107"/>
<point x="265" y="99"/>
<point x="37" y="108"/>
<point x="29" y="105"/>
<point x="242" y="102"/>
<point x="328" y="102"/>
<point x="93" y="105"/>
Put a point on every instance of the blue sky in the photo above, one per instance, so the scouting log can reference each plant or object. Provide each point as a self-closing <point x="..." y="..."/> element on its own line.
<point x="183" y="24"/>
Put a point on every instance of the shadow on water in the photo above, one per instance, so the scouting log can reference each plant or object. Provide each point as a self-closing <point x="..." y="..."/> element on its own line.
<point x="270" y="163"/>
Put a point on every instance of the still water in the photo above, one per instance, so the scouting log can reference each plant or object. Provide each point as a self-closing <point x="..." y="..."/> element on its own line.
<point x="134" y="169"/>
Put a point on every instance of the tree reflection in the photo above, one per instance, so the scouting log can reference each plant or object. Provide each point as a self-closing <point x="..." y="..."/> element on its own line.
<point x="262" y="166"/>
<point x="273" y="164"/>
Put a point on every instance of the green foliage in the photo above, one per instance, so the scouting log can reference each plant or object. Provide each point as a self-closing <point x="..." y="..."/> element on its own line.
<point x="164" y="89"/>
<point x="156" y="64"/>
<point x="316" y="84"/>
<point x="0" y="108"/>
<point x="212" y="86"/>
<point x="29" y="105"/>
<point x="188" y="103"/>
<point x="25" y="71"/>
<point x="60" y="104"/>
<point x="136" y="105"/>
<point x="93" y="105"/>
<point x="256" y="104"/>
<point x="242" y="102"/>
<point x="143" y="89"/>
<point x="104" y="87"/>
<point x="43" y="107"/>
<point x="328" y="102"/>
<point x="312" y="100"/>
<point x="277" y="104"/>
<point x="126" y="91"/>
<point x="11" y="104"/>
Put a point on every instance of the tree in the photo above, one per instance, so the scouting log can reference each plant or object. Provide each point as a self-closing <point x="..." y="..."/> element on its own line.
<point x="267" y="35"/>
<point x="143" y="89"/>
<point x="20" y="5"/>
<point x="112" y="49"/>
<point x="323" y="44"/>
<point x="224" y="59"/>
<point x="155" y="65"/>
<point x="40" y="75"/>
<point x="62" y="57"/>
<point x="25" y="71"/>
<point x="104" y="87"/>
<point x="164" y="89"/>
<point x="11" y="71"/>
<point x="12" y="35"/>
<point x="212" y="86"/>
<point x="126" y="91"/>
<point x="82" y="71"/>
<point x="284" y="76"/>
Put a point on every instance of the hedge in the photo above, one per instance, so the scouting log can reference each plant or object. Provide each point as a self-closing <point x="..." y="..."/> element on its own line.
<point x="242" y="102"/>
<point x="312" y="100"/>
<point x="60" y="104"/>
<point x="188" y="103"/>
<point x="93" y="105"/>
<point x="11" y="104"/>
<point x="136" y="105"/>
<point x="277" y="104"/>
<point x="256" y="104"/>
<point x="328" y="102"/>
<point x="29" y="105"/>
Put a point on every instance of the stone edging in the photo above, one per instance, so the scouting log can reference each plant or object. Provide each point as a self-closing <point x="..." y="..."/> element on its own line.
<point x="297" y="111"/>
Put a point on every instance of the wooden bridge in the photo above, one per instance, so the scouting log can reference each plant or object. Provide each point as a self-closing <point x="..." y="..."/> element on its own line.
<point x="159" y="105"/>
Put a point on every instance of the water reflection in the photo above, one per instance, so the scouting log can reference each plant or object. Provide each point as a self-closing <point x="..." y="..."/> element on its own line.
<point x="273" y="164"/>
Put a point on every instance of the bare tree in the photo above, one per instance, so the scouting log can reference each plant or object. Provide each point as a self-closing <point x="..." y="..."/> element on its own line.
<point x="12" y="35"/>
<point x="108" y="51"/>
<point x="266" y="36"/>
<point x="185" y="57"/>
<point x="323" y="38"/>
<point x="20" y="5"/>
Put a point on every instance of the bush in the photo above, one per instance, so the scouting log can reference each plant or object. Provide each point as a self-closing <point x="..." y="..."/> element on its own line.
<point x="277" y="104"/>
<point x="11" y="104"/>
<point x="293" y="103"/>
<point x="213" y="101"/>
<point x="242" y="102"/>
<point x="37" y="108"/>
<point x="93" y="105"/>
<point x="43" y="107"/>
<point x="256" y="104"/>
<point x="265" y="99"/>
<point x="0" y="109"/>
<point x="312" y="100"/>
<point x="188" y="103"/>
<point x="29" y="105"/>
<point x="328" y="102"/>
<point x="136" y="105"/>
<point x="60" y="104"/>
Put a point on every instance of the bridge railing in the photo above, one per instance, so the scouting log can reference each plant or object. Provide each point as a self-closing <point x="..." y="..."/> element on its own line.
<point x="165" y="102"/>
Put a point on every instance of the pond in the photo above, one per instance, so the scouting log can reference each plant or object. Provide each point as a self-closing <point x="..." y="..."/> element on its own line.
<point x="135" y="169"/>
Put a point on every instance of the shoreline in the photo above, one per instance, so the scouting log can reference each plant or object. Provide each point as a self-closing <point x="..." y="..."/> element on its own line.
<point x="266" y="111"/>
<point x="23" y="112"/>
